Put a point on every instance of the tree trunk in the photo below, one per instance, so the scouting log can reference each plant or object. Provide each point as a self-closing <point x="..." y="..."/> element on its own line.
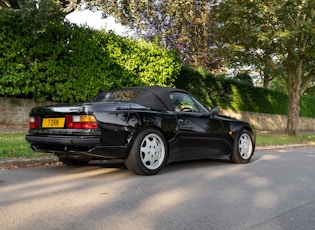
<point x="293" y="113"/>
<point x="266" y="80"/>
<point x="294" y="86"/>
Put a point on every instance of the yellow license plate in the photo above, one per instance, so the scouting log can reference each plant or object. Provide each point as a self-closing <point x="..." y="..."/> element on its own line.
<point x="57" y="122"/>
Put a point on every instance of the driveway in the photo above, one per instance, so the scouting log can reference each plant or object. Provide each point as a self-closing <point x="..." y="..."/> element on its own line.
<point x="274" y="191"/>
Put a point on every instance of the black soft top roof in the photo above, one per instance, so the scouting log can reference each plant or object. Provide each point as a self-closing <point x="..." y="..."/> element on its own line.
<point x="154" y="97"/>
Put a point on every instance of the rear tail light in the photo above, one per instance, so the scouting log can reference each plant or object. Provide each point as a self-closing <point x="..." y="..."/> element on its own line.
<point x="34" y="122"/>
<point x="81" y="122"/>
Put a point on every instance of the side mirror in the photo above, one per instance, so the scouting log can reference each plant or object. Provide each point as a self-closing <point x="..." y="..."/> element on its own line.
<point x="214" y="111"/>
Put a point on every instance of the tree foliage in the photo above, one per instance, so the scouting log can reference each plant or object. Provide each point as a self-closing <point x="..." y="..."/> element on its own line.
<point x="182" y="25"/>
<point x="276" y="34"/>
<point x="64" y="5"/>
<point x="230" y="93"/>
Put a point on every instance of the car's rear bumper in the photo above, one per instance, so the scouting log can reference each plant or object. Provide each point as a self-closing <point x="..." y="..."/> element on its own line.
<point x="86" y="145"/>
<point x="64" y="140"/>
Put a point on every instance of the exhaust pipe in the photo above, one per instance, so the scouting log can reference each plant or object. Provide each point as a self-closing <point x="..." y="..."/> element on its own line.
<point x="34" y="148"/>
<point x="39" y="149"/>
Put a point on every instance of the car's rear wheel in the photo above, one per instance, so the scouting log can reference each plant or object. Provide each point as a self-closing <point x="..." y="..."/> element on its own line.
<point x="243" y="147"/>
<point x="148" y="153"/>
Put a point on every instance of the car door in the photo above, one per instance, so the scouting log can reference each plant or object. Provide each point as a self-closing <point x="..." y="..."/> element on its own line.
<point x="200" y="135"/>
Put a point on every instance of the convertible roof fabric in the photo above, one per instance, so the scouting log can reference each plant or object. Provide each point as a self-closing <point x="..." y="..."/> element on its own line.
<point x="154" y="97"/>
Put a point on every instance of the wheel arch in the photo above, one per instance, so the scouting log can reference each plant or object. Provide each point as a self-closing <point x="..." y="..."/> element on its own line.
<point x="137" y="160"/>
<point x="150" y="126"/>
<point x="165" y="123"/>
<point x="236" y="127"/>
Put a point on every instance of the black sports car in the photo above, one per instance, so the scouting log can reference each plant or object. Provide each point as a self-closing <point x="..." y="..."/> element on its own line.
<point x="147" y="127"/>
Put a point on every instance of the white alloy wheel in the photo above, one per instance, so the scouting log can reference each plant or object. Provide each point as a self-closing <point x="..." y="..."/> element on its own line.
<point x="148" y="152"/>
<point x="245" y="146"/>
<point x="152" y="151"/>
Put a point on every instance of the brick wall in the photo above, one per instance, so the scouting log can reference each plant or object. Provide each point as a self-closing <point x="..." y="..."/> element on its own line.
<point x="15" y="112"/>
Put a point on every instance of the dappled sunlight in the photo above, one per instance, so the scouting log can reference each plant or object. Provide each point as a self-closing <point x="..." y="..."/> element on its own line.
<point x="182" y="195"/>
<point x="258" y="182"/>
<point x="269" y="157"/>
<point x="281" y="150"/>
<point x="62" y="195"/>
<point x="127" y="222"/>
<point x="59" y="195"/>
<point x="233" y="195"/>
<point x="165" y="201"/>
<point x="223" y="171"/>
<point x="70" y="179"/>
<point x="266" y="199"/>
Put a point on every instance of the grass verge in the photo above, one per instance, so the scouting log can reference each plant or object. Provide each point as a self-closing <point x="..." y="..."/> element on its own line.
<point x="14" y="145"/>
<point x="283" y="139"/>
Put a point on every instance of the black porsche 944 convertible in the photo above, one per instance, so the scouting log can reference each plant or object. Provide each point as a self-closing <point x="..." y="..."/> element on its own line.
<point x="147" y="127"/>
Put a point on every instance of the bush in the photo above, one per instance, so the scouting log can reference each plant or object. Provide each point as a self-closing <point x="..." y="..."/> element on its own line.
<point x="67" y="63"/>
<point x="236" y="95"/>
<point x="307" y="106"/>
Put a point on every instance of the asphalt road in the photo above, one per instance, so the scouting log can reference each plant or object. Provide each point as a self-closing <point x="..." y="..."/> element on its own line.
<point x="275" y="191"/>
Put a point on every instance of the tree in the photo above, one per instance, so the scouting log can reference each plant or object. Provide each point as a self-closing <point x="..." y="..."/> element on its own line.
<point x="40" y="12"/>
<point x="244" y="77"/>
<point x="279" y="34"/>
<point x="266" y="74"/>
<point x="311" y="89"/>
<point x="182" y="25"/>
<point x="66" y="5"/>
<point x="37" y="13"/>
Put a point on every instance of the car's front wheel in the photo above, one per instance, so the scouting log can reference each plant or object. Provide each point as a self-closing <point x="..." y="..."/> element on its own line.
<point x="243" y="147"/>
<point x="148" y="153"/>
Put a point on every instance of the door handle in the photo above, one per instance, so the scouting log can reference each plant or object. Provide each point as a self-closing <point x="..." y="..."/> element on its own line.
<point x="183" y="121"/>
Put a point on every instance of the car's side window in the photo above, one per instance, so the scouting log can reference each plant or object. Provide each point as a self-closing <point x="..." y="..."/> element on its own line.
<point x="183" y="102"/>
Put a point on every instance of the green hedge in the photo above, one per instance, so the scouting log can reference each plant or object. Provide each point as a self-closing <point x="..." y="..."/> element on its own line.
<point x="239" y="96"/>
<point x="307" y="106"/>
<point x="67" y="63"/>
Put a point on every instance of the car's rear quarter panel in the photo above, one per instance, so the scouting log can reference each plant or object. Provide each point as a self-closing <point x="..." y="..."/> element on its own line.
<point x="119" y="127"/>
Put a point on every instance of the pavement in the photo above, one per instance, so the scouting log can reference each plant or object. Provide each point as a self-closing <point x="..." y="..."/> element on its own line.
<point x="47" y="161"/>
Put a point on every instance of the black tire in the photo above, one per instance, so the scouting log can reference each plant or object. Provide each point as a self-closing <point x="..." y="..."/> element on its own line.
<point x="148" y="152"/>
<point x="243" y="147"/>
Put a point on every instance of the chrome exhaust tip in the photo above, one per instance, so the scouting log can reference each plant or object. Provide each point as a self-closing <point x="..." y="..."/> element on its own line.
<point x="33" y="147"/>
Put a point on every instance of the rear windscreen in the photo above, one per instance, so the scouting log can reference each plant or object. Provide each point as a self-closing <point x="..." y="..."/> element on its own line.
<point x="122" y="95"/>
<point x="140" y="96"/>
